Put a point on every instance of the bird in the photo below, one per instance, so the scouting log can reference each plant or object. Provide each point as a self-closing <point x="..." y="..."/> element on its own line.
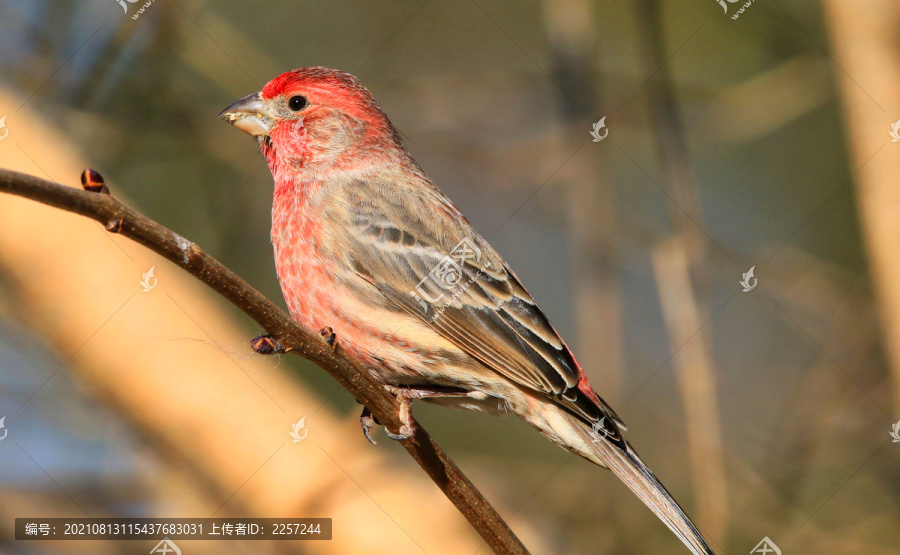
<point x="371" y="252"/>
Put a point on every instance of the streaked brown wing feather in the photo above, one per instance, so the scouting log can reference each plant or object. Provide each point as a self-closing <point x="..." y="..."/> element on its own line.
<point x="491" y="317"/>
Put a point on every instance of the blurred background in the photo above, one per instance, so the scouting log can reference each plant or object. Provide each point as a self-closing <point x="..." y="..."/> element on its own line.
<point x="740" y="136"/>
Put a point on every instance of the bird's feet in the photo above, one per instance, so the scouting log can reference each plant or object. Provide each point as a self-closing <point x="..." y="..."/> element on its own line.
<point x="405" y="396"/>
<point x="407" y="425"/>
<point x="330" y="337"/>
<point x="267" y="345"/>
<point x="367" y="421"/>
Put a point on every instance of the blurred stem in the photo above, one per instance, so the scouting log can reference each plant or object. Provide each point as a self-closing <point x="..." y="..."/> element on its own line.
<point x="570" y="30"/>
<point x="696" y="380"/>
<point x="126" y="221"/>
<point x="673" y="263"/>
<point x="864" y="42"/>
<point x="670" y="136"/>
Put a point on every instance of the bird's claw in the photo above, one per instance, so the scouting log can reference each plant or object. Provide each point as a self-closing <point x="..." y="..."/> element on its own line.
<point x="367" y="422"/>
<point x="267" y="345"/>
<point x="406" y="432"/>
<point x="407" y="424"/>
<point x="368" y="436"/>
<point x="330" y="337"/>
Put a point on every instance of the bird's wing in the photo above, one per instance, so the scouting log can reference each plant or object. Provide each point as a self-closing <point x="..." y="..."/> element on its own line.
<point x="423" y="255"/>
<point x="426" y="259"/>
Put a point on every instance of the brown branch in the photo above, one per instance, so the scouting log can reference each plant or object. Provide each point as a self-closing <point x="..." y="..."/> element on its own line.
<point x="118" y="218"/>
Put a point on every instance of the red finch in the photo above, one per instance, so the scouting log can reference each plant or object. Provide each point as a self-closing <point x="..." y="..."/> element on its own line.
<point x="369" y="250"/>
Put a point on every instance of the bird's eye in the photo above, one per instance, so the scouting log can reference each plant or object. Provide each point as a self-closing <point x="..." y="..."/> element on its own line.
<point x="297" y="103"/>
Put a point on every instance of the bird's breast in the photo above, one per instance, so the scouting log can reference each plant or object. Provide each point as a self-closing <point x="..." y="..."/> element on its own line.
<point x="306" y="277"/>
<point x="322" y="290"/>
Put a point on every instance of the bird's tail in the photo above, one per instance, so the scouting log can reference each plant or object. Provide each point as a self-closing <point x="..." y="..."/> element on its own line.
<point x="625" y="463"/>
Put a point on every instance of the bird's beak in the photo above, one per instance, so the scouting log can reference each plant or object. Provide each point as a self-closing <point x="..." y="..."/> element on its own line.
<point x="249" y="115"/>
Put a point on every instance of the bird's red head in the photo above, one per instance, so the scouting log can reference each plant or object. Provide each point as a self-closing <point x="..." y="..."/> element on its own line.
<point x="314" y="119"/>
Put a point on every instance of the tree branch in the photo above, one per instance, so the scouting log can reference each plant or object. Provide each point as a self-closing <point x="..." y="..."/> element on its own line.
<point x="118" y="218"/>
